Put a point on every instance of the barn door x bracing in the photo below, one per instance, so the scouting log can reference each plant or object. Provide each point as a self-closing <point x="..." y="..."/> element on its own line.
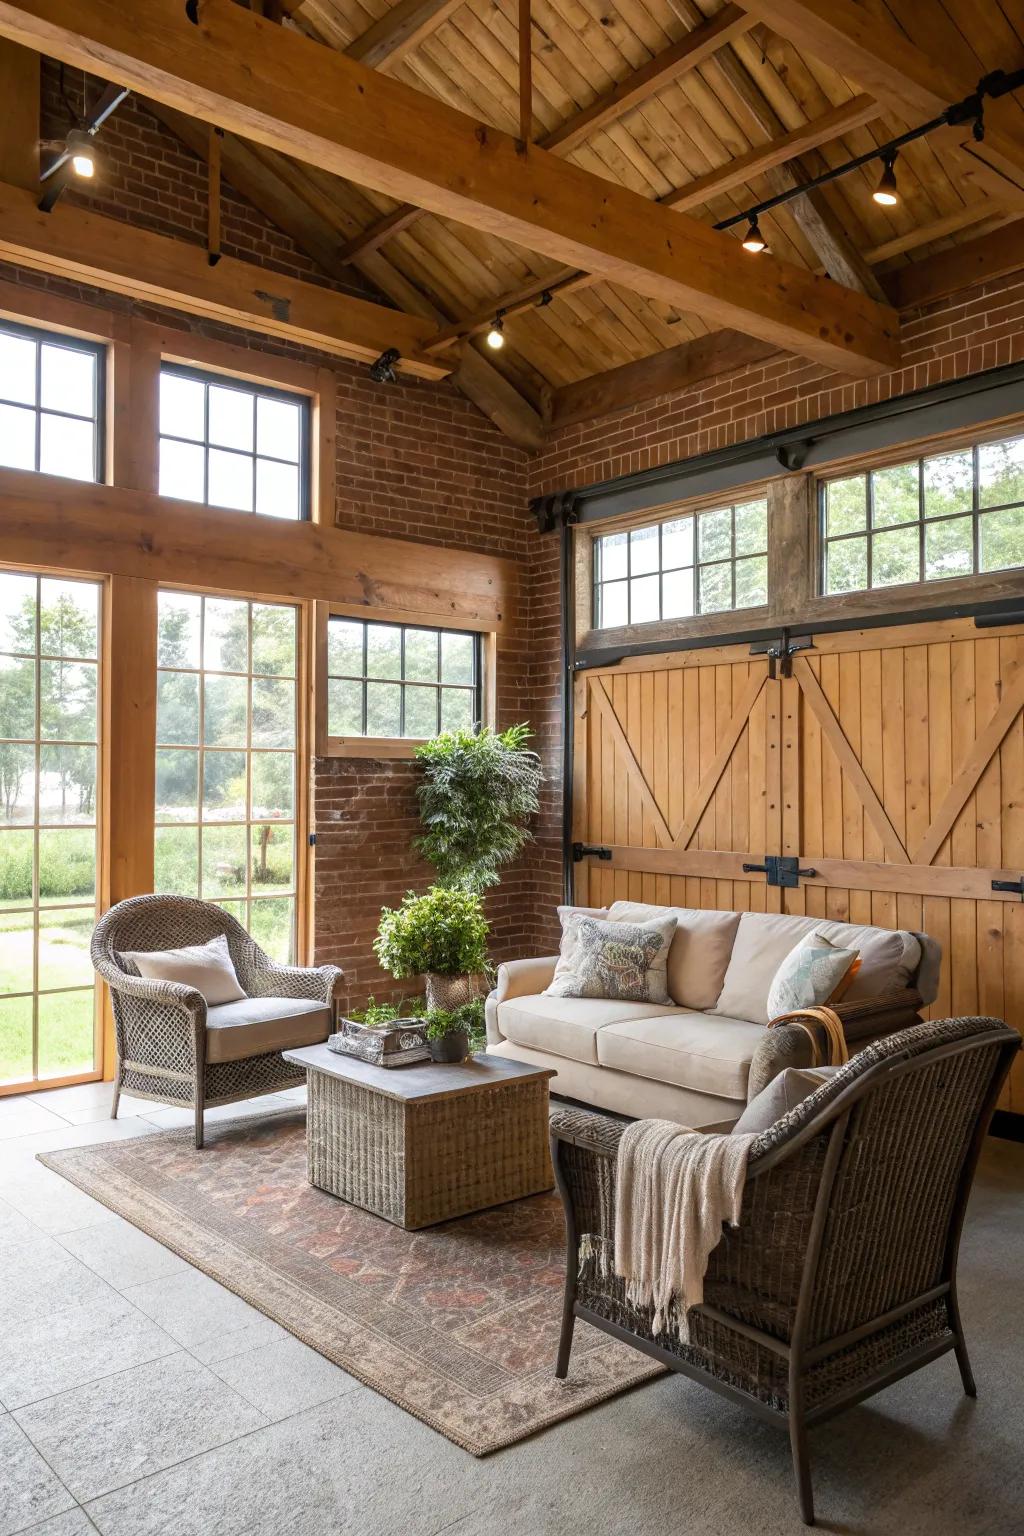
<point x="889" y="764"/>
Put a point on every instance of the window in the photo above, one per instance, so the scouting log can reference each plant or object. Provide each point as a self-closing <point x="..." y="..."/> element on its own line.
<point x="705" y="562"/>
<point x="49" y="655"/>
<point x="231" y="444"/>
<point x="394" y="680"/>
<point x="227" y="721"/>
<point x="953" y="514"/>
<point x="51" y="389"/>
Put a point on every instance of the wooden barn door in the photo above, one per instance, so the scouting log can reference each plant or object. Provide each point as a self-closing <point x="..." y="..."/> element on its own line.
<point x="890" y="763"/>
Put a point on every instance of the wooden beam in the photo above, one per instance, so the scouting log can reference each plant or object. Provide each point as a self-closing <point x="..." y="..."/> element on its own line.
<point x="525" y="72"/>
<point x="688" y="53"/>
<point x="260" y="177"/>
<point x="863" y="45"/>
<point x="399" y="31"/>
<point x="19" y="115"/>
<point x="215" y="138"/>
<point x="90" y="248"/>
<point x="937" y="229"/>
<point x="663" y="373"/>
<point x="382" y="229"/>
<point x="83" y="527"/>
<point x="975" y="261"/>
<point x="282" y="90"/>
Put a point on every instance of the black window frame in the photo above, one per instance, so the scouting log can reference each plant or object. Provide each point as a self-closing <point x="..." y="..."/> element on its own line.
<point x="256" y="391"/>
<point x="476" y="688"/>
<point x="976" y="511"/>
<point x="71" y="343"/>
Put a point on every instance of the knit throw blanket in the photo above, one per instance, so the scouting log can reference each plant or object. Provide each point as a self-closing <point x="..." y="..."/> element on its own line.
<point x="674" y="1189"/>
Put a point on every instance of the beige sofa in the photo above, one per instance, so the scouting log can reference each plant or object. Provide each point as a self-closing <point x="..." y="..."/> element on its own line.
<point x="698" y="1061"/>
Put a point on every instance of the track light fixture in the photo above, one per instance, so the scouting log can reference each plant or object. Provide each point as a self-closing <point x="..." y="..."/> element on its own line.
<point x="887" y="192"/>
<point x="383" y="370"/>
<point x="82" y="153"/>
<point x="753" y="240"/>
<point x="496" y="334"/>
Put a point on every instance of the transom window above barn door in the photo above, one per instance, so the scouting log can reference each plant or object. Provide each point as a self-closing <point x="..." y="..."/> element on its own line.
<point x="394" y="681"/>
<point x="51" y="403"/>
<point x="953" y="514"/>
<point x="231" y="444"/>
<point x="703" y="562"/>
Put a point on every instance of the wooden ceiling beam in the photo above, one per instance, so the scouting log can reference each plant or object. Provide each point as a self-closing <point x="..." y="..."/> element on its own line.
<point x="864" y="46"/>
<point x="72" y="242"/>
<point x="948" y="272"/>
<point x="19" y="115"/>
<point x="399" y="31"/>
<point x="282" y="90"/>
<point x="276" y="187"/>
<point x="663" y="373"/>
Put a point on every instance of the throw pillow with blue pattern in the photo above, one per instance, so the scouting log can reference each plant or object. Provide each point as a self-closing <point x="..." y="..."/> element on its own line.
<point x="811" y="974"/>
<point x="613" y="960"/>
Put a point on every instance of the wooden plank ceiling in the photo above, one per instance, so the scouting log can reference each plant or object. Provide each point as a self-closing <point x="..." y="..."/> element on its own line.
<point x="692" y="102"/>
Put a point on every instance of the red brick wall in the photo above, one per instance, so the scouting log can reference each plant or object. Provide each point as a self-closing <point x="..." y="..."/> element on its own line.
<point x="975" y="331"/>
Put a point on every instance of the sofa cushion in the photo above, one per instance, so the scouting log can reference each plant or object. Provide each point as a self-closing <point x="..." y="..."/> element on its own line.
<point x="567" y="1026"/>
<point x="236" y="1031"/>
<point x="889" y="958"/>
<point x="702" y="1051"/>
<point x="699" y="953"/>
<point x="614" y="960"/>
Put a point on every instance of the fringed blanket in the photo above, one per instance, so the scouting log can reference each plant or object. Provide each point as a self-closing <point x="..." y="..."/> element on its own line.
<point x="674" y="1190"/>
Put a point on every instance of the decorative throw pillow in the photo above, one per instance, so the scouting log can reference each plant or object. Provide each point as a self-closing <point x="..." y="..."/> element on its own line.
<point x="613" y="960"/>
<point x="778" y="1097"/>
<point x="207" y="967"/>
<point x="568" y="942"/>
<point x="812" y="973"/>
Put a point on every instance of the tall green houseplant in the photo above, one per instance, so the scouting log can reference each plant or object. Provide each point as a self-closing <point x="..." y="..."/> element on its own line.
<point x="478" y="791"/>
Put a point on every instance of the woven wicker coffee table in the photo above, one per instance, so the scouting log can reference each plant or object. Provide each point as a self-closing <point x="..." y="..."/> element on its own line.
<point x="419" y="1145"/>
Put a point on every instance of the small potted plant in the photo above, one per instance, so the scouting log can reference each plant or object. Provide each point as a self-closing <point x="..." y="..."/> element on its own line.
<point x="454" y="1033"/>
<point x="441" y="936"/>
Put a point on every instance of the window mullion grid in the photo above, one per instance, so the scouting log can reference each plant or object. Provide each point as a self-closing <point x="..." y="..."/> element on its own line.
<point x="201" y="776"/>
<point x="366" y="672"/>
<point x="976" y="507"/>
<point x="869" y="504"/>
<point x="401" y="686"/>
<point x="37" y="760"/>
<point x="206" y="448"/>
<point x="247" y="903"/>
<point x="39" y="424"/>
<point x="920" y="521"/>
<point x="437" y="690"/>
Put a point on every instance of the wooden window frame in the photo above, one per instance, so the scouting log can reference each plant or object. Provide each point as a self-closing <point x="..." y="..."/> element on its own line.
<point x="391" y="747"/>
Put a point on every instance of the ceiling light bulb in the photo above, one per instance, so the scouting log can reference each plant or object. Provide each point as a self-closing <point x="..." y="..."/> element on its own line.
<point x="887" y="192"/>
<point x="82" y="152"/>
<point x="753" y="240"/>
<point x="495" y="336"/>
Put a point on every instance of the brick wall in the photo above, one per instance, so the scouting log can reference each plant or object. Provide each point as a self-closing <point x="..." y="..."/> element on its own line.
<point x="975" y="331"/>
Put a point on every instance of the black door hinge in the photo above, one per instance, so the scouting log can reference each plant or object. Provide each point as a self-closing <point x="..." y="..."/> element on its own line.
<point x="781" y="869"/>
<point x="1010" y="885"/>
<point x="581" y="851"/>
<point x="782" y="649"/>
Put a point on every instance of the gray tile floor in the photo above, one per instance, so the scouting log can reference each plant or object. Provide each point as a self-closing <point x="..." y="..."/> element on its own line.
<point x="139" y="1397"/>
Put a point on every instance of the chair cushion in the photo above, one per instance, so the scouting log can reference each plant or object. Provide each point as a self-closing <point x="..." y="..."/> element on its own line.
<point x="567" y="1026"/>
<point x="206" y="967"/>
<point x="236" y="1031"/>
<point x="699" y="953"/>
<point x="701" y="1051"/>
<point x="785" y="1091"/>
<point x="889" y="958"/>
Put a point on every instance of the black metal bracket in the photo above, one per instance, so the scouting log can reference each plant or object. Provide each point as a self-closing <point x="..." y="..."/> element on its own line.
<point x="782" y="650"/>
<point x="1010" y="885"/>
<point x="793" y="456"/>
<point x="581" y="851"/>
<point x="559" y="510"/>
<point x="781" y="869"/>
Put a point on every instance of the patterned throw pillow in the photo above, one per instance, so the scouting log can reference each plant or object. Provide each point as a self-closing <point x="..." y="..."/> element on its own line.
<point x="811" y="974"/>
<point x="613" y="960"/>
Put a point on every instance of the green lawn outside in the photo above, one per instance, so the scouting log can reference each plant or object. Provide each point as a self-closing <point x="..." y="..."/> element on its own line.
<point x="66" y="1019"/>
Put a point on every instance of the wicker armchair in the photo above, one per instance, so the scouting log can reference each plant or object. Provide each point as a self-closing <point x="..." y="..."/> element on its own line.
<point x="162" y="1028"/>
<point x="841" y="1277"/>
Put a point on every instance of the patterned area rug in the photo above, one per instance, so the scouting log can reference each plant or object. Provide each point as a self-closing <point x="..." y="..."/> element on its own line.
<point x="457" y="1324"/>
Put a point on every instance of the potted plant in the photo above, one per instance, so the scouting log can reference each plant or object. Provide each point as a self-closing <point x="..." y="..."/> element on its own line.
<point x="441" y="936"/>
<point x="478" y="790"/>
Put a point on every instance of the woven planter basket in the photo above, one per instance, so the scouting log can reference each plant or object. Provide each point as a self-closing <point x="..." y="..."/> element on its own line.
<point x="449" y="992"/>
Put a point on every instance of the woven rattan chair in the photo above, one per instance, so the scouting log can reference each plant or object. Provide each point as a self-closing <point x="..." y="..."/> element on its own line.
<point x="169" y="1045"/>
<point x="841" y="1276"/>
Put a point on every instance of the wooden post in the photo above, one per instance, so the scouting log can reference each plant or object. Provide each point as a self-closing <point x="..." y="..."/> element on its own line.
<point x="525" y="73"/>
<point x="213" y="196"/>
<point x="19" y="115"/>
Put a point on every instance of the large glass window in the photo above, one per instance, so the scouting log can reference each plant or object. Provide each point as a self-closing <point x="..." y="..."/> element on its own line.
<point x="51" y="392"/>
<point x="49" y="666"/>
<point x="227" y="722"/>
<point x="953" y="514"/>
<point x="704" y="562"/>
<point x="231" y="444"/>
<point x="395" y="680"/>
